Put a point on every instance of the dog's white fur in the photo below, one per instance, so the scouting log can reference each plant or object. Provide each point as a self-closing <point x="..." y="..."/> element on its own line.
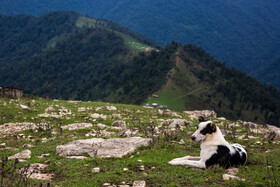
<point x="215" y="150"/>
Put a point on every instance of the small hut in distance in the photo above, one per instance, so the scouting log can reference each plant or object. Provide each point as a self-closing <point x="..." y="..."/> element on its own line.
<point x="10" y="92"/>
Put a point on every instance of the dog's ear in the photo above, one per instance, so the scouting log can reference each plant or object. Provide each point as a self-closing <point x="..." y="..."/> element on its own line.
<point x="201" y="119"/>
<point x="213" y="127"/>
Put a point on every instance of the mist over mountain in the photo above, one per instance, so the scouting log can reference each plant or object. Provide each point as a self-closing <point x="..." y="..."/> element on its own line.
<point x="244" y="34"/>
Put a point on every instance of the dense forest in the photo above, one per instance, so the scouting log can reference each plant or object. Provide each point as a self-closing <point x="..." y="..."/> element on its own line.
<point x="243" y="34"/>
<point x="95" y="60"/>
<point x="229" y="91"/>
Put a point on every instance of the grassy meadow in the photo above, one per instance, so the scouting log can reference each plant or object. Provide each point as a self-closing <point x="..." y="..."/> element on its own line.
<point x="262" y="167"/>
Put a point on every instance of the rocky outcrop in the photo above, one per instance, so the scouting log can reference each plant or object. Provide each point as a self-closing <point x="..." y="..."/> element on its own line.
<point x="76" y="126"/>
<point x="204" y="113"/>
<point x="119" y="124"/>
<point x="26" y="154"/>
<point x="172" y="126"/>
<point x="37" y="171"/>
<point x="104" y="148"/>
<point x="96" y="115"/>
<point x="12" y="128"/>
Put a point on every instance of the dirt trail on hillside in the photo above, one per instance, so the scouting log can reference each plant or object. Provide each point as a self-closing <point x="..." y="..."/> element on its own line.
<point x="194" y="91"/>
<point x="171" y="73"/>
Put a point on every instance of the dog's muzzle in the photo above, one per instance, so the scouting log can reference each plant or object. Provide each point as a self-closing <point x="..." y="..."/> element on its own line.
<point x="193" y="138"/>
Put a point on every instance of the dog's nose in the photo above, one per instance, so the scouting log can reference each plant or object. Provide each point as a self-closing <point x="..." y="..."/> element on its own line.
<point x="193" y="138"/>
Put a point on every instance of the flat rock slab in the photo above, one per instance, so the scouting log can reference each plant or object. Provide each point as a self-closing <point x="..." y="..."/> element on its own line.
<point x="11" y="128"/>
<point x="76" y="126"/>
<point x="104" y="148"/>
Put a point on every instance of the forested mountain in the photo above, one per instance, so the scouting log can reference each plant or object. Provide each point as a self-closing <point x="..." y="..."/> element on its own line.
<point x="244" y="34"/>
<point x="68" y="56"/>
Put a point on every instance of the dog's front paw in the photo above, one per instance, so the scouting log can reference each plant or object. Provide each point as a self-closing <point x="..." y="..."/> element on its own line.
<point x="179" y="161"/>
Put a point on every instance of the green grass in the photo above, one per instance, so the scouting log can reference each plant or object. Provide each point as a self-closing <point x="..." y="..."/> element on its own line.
<point x="71" y="172"/>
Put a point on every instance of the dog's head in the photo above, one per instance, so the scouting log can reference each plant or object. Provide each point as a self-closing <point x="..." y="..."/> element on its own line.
<point x="204" y="129"/>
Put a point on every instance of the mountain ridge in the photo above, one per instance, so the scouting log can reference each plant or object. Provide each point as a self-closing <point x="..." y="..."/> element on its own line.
<point x="96" y="62"/>
<point x="244" y="34"/>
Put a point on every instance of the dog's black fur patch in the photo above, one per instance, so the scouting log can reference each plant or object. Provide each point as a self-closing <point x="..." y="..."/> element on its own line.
<point x="209" y="129"/>
<point x="223" y="158"/>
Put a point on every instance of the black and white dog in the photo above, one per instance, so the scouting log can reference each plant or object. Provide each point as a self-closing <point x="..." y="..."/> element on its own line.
<point x="215" y="150"/>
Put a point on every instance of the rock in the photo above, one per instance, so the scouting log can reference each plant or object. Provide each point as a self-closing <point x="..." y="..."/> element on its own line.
<point x="98" y="108"/>
<point x="43" y="155"/>
<point x="28" y="145"/>
<point x="276" y="130"/>
<point x="111" y="108"/>
<point x="119" y="124"/>
<point x="227" y="177"/>
<point x="24" y="107"/>
<point x="49" y="109"/>
<point x="76" y="126"/>
<point x="104" y="148"/>
<point x="12" y="128"/>
<point x="44" y="140"/>
<point x="125" y="169"/>
<point x="258" y="143"/>
<point x="95" y="170"/>
<point x="232" y="171"/>
<point x="205" y="113"/>
<point x="37" y="171"/>
<point x="222" y="118"/>
<point x="174" y="114"/>
<point x="128" y="133"/>
<point x="81" y="109"/>
<point x="100" y="125"/>
<point x="139" y="184"/>
<point x="26" y="154"/>
<point x="178" y="123"/>
<point x="2" y="144"/>
<point x="95" y="115"/>
<point x="99" y="133"/>
<point x="77" y="157"/>
<point x="230" y="174"/>
<point x="141" y="168"/>
<point x="250" y="125"/>
<point x="182" y="142"/>
<point x="173" y="125"/>
<point x="116" y="116"/>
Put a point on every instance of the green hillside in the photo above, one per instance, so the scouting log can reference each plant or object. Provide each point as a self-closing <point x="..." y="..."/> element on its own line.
<point x="198" y="81"/>
<point x="242" y="33"/>
<point x="99" y="60"/>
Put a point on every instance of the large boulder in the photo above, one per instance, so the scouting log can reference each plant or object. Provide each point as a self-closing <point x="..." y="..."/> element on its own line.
<point x="273" y="133"/>
<point x="104" y="148"/>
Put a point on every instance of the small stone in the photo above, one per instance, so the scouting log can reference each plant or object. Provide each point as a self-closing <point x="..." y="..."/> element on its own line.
<point x="26" y="154"/>
<point x="106" y="184"/>
<point x="44" y="140"/>
<point x="2" y="144"/>
<point x="139" y="160"/>
<point x="182" y="142"/>
<point x="141" y="168"/>
<point x="139" y="184"/>
<point x="125" y="169"/>
<point x="258" y="143"/>
<point x="95" y="170"/>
